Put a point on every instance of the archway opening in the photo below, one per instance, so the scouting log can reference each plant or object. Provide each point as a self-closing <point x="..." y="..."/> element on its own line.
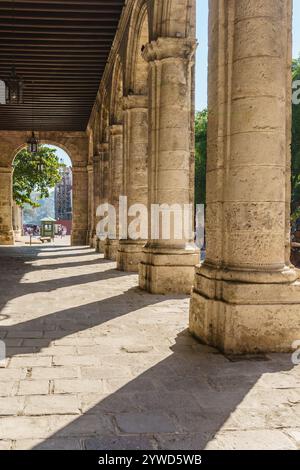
<point x="42" y="196"/>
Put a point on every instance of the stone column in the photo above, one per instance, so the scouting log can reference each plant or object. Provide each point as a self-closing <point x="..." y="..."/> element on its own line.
<point x="104" y="185"/>
<point x="97" y="194"/>
<point x="80" y="204"/>
<point x="168" y="264"/>
<point x="116" y="184"/>
<point x="135" y="174"/>
<point x="6" y="228"/>
<point x="17" y="220"/>
<point x="90" y="234"/>
<point x="245" y="296"/>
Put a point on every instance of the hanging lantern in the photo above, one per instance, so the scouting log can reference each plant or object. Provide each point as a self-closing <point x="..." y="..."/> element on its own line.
<point x="40" y="165"/>
<point x="33" y="144"/>
<point x="14" y="88"/>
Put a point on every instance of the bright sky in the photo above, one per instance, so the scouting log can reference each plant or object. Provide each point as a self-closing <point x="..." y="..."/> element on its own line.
<point x="202" y="34"/>
<point x="62" y="155"/>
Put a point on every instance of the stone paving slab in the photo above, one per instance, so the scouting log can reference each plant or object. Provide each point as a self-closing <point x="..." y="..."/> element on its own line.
<point x="95" y="363"/>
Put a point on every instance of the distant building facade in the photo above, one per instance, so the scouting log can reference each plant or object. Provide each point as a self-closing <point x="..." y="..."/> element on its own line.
<point x="63" y="196"/>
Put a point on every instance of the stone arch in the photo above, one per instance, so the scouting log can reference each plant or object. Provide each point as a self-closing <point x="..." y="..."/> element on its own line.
<point x="15" y="211"/>
<point x="172" y="18"/>
<point x="136" y="79"/>
<point x="43" y="142"/>
<point x="75" y="144"/>
<point x="116" y="93"/>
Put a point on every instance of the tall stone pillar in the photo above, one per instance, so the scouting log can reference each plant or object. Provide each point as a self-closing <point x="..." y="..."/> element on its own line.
<point x="80" y="205"/>
<point x="104" y="185"/>
<point x="6" y="228"/>
<point x="91" y="218"/>
<point x="135" y="174"/>
<point x="17" y="221"/>
<point x="97" y="195"/>
<point x="168" y="264"/>
<point x="246" y="295"/>
<point x="116" y="184"/>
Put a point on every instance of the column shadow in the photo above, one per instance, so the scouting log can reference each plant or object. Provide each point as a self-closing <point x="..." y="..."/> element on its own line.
<point x="180" y="403"/>
<point x="67" y="322"/>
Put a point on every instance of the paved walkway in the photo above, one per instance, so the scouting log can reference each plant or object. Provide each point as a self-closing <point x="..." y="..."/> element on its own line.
<point x="94" y="363"/>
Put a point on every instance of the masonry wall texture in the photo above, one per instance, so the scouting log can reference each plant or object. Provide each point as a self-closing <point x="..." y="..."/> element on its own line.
<point x="246" y="294"/>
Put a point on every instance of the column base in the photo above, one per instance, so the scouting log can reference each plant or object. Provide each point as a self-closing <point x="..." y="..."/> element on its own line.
<point x="130" y="255"/>
<point x="7" y="237"/>
<point x="79" y="237"/>
<point x="168" y="271"/>
<point x="93" y="241"/>
<point x="245" y="318"/>
<point x="100" y="246"/>
<point x="111" y="249"/>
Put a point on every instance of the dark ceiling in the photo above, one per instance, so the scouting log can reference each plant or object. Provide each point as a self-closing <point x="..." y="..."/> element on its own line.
<point x="60" y="49"/>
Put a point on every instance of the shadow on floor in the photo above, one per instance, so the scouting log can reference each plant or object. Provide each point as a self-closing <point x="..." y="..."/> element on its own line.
<point x="69" y="321"/>
<point x="57" y="325"/>
<point x="181" y="403"/>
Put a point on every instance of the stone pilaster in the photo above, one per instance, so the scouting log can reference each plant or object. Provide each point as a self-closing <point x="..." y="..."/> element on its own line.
<point x="168" y="264"/>
<point x="116" y="184"/>
<point x="6" y="228"/>
<point x="104" y="185"/>
<point x="246" y="295"/>
<point x="135" y="174"/>
<point x="97" y="196"/>
<point x="80" y="205"/>
<point x="91" y="215"/>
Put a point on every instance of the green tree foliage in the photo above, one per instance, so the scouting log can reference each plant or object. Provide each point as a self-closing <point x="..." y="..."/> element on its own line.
<point x="296" y="147"/>
<point x="200" y="156"/>
<point x="27" y="178"/>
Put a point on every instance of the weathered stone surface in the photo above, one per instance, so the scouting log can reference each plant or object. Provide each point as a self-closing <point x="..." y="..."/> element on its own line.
<point x="5" y="445"/>
<point x="34" y="387"/>
<point x="246" y="293"/>
<point x="252" y="440"/>
<point x="11" y="406"/>
<point x="41" y="405"/>
<point x="146" y="382"/>
<point x="120" y="443"/>
<point x="145" y="423"/>
<point x="100" y="364"/>
<point x="49" y="444"/>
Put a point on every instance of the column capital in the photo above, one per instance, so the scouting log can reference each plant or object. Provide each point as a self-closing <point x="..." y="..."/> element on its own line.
<point x="90" y="168"/>
<point x="170" y="48"/>
<point x="116" y="129"/>
<point x="135" y="102"/>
